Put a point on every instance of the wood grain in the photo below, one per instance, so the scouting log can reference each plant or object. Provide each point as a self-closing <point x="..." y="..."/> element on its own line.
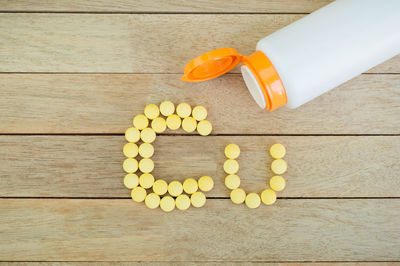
<point x="198" y="6"/>
<point x="91" y="166"/>
<point x="195" y="263"/>
<point x="292" y="230"/>
<point x="105" y="103"/>
<point x="130" y="43"/>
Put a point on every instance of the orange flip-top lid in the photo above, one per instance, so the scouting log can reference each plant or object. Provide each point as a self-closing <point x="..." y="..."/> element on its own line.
<point x="220" y="61"/>
<point x="211" y="65"/>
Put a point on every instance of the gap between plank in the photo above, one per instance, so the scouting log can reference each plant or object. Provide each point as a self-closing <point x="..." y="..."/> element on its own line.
<point x="211" y="198"/>
<point x="148" y="12"/>
<point x="211" y="135"/>
<point x="141" y="73"/>
<point x="210" y="261"/>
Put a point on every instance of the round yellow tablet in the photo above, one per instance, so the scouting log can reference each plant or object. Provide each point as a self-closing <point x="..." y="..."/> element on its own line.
<point x="199" y="113"/>
<point x="198" y="199"/>
<point x="189" y="124"/>
<point x="190" y="186"/>
<point x="182" y="202"/>
<point x="159" y="125"/>
<point x="232" y="181"/>
<point x="173" y="122"/>
<point x="152" y="201"/>
<point x="132" y="134"/>
<point x="167" y="108"/>
<point x="231" y="166"/>
<point x="138" y="194"/>
<point x="206" y="183"/>
<point x="130" y="149"/>
<point x="175" y="188"/>
<point x="167" y="203"/>
<point x="146" y="150"/>
<point x="146" y="180"/>
<point x="151" y="111"/>
<point x="268" y="196"/>
<point x="148" y="135"/>
<point x="183" y="110"/>
<point x="160" y="187"/>
<point x="131" y="180"/>
<point x="140" y="121"/>
<point x="277" y="151"/>
<point x="146" y="165"/>
<point x="232" y="151"/>
<point x="278" y="166"/>
<point x="238" y="195"/>
<point x="204" y="127"/>
<point x="253" y="200"/>
<point x="130" y="165"/>
<point x="277" y="183"/>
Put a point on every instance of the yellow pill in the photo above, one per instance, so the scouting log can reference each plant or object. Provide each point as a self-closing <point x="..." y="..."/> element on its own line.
<point x="160" y="187"/>
<point x="146" y="165"/>
<point x="130" y="150"/>
<point x="146" y="180"/>
<point x="167" y="108"/>
<point x="190" y="186"/>
<point x="138" y="194"/>
<point x="148" y="135"/>
<point x="173" y="122"/>
<point x="268" y="196"/>
<point x="175" y="188"/>
<point x="232" y="181"/>
<point x="277" y="151"/>
<point x="167" y="203"/>
<point x="253" y="200"/>
<point x="183" y="110"/>
<point x="206" y="183"/>
<point x="151" y="111"/>
<point x="231" y="166"/>
<point x="140" y="121"/>
<point x="146" y="150"/>
<point x="189" y="124"/>
<point x="131" y="181"/>
<point x="278" y="166"/>
<point x="130" y="165"/>
<point x="204" y="127"/>
<point x="159" y="125"/>
<point x="152" y="201"/>
<point x="198" y="199"/>
<point x="277" y="183"/>
<point x="199" y="113"/>
<point x="182" y="202"/>
<point x="238" y="195"/>
<point x="132" y="134"/>
<point x="232" y="151"/>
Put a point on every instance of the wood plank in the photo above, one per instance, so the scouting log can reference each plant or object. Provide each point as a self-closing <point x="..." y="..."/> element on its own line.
<point x="292" y="230"/>
<point x="194" y="263"/>
<point x="220" y="6"/>
<point x="63" y="103"/>
<point x="130" y="43"/>
<point x="91" y="166"/>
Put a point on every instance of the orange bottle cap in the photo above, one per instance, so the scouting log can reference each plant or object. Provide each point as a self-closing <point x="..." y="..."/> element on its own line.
<point x="211" y="64"/>
<point x="268" y="90"/>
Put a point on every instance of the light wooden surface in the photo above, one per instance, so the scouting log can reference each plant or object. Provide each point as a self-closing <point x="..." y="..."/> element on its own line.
<point x="165" y="6"/>
<point x="121" y="43"/>
<point x="90" y="166"/>
<point x="74" y="73"/>
<point x="317" y="229"/>
<point x="100" y="103"/>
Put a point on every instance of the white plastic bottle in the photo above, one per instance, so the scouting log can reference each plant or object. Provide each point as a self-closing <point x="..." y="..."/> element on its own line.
<point x="312" y="55"/>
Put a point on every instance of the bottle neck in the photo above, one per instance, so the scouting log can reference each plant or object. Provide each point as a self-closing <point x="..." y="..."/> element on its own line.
<point x="263" y="81"/>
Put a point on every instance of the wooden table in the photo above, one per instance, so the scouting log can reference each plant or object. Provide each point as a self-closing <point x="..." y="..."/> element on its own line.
<point x="73" y="75"/>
